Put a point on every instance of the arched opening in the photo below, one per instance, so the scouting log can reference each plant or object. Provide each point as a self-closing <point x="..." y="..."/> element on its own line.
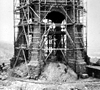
<point x="55" y="16"/>
<point x="56" y="36"/>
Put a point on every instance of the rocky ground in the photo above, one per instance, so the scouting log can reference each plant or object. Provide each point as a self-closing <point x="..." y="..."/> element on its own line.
<point x="22" y="84"/>
<point x="54" y="77"/>
<point x="58" y="72"/>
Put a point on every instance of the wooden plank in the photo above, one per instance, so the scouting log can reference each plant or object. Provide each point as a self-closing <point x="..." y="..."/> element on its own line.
<point x="93" y="67"/>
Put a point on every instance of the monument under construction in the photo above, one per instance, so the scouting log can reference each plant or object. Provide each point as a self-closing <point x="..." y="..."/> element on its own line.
<point x="50" y="31"/>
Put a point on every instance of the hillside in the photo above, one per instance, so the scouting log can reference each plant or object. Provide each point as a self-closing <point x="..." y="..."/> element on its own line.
<point x="6" y="52"/>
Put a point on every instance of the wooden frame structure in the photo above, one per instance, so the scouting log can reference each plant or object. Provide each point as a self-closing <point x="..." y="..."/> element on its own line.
<point x="35" y="39"/>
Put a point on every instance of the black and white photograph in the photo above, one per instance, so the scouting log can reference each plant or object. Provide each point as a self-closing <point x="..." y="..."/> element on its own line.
<point x="49" y="45"/>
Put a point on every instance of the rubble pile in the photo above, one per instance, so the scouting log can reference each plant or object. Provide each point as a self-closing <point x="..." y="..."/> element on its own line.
<point x="53" y="72"/>
<point x="21" y="70"/>
<point x="29" y="71"/>
<point x="4" y="72"/>
<point x="34" y="71"/>
<point x="58" y="72"/>
<point x="3" y="76"/>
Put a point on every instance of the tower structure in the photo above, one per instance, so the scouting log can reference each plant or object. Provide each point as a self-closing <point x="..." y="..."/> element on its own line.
<point x="50" y="30"/>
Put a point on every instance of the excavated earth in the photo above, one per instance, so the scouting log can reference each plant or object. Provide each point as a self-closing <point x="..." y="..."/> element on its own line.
<point x="55" y="76"/>
<point x="58" y="72"/>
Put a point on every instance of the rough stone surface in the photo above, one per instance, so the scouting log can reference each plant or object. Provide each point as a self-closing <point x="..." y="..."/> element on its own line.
<point x="23" y="85"/>
<point x="21" y="70"/>
<point x="58" y="72"/>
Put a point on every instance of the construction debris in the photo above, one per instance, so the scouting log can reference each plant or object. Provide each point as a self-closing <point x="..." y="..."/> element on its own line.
<point x="4" y="71"/>
<point x="53" y="72"/>
<point x="21" y="70"/>
<point x="58" y="72"/>
<point x="34" y="72"/>
<point x="3" y="76"/>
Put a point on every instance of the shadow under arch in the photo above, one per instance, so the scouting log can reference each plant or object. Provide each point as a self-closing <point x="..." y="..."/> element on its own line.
<point x="57" y="15"/>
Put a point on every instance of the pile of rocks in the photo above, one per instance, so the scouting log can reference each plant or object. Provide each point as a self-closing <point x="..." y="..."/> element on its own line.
<point x="58" y="72"/>
<point x="26" y="71"/>
<point x="21" y="71"/>
<point x="53" y="71"/>
<point x="34" y="72"/>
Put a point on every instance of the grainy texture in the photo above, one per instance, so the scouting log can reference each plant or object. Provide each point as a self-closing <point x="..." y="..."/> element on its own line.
<point x="57" y="72"/>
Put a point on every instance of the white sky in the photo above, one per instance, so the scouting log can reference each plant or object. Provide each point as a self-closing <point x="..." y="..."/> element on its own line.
<point x="94" y="28"/>
<point x="6" y="20"/>
<point x="6" y="24"/>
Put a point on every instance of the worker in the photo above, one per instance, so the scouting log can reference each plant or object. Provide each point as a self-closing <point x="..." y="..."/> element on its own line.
<point x="3" y="64"/>
<point x="1" y="69"/>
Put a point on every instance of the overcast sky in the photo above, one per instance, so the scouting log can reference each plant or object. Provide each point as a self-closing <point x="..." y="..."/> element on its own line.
<point x="6" y="25"/>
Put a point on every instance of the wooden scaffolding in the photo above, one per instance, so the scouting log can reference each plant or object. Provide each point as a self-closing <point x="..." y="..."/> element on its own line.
<point x="47" y="30"/>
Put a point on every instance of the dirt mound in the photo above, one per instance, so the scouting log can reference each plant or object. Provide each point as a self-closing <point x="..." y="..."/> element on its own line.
<point x="53" y="72"/>
<point x="21" y="70"/>
<point x="58" y="72"/>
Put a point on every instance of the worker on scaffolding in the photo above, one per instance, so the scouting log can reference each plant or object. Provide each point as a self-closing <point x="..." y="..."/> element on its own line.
<point x="1" y="69"/>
